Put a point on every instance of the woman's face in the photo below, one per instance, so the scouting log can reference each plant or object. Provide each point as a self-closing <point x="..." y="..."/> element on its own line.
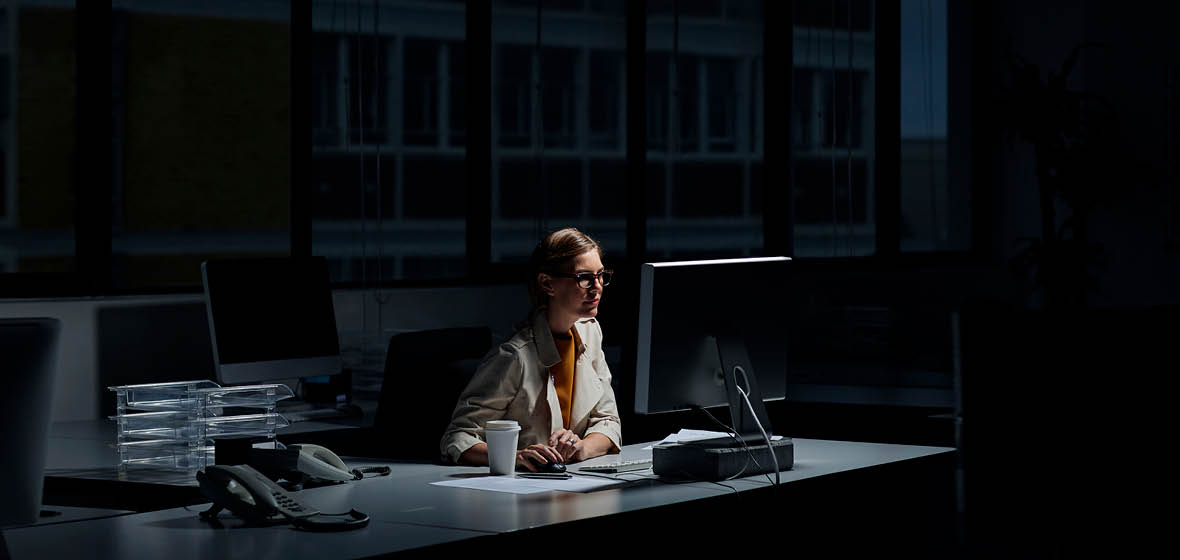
<point x="567" y="297"/>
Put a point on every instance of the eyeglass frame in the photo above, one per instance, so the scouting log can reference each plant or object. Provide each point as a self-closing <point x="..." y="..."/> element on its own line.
<point x="578" y="277"/>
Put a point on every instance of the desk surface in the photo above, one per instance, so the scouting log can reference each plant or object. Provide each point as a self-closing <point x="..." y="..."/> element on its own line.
<point x="408" y="512"/>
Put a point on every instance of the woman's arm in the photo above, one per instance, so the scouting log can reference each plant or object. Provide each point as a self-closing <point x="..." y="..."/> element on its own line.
<point x="594" y="445"/>
<point x="475" y="455"/>
<point x="573" y="449"/>
<point x="478" y="455"/>
<point x="485" y="398"/>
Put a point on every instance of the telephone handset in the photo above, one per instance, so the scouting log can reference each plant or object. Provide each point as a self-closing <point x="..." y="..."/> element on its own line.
<point x="248" y="494"/>
<point x="294" y="463"/>
<point x="320" y="463"/>
<point x="251" y="495"/>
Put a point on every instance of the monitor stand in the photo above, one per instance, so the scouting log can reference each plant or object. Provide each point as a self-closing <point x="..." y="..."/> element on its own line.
<point x="731" y="350"/>
<point x="747" y="452"/>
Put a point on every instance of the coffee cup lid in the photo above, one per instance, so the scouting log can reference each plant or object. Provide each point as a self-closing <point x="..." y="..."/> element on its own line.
<point x="502" y="425"/>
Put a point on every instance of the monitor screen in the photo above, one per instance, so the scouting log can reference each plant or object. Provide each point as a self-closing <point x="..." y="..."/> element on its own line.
<point x="271" y="319"/>
<point x="686" y="306"/>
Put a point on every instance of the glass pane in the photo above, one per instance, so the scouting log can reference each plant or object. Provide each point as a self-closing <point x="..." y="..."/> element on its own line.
<point x="389" y="164"/>
<point x="37" y="138"/>
<point x="832" y="127"/>
<point x="704" y="103"/>
<point x="933" y="216"/>
<point x="200" y="97"/>
<point x="558" y="124"/>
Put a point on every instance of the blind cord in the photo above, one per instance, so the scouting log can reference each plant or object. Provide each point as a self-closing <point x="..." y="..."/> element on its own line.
<point x="832" y="116"/>
<point x="848" y="129"/>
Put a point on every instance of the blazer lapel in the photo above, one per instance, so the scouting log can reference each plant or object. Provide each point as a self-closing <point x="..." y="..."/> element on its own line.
<point x="587" y="389"/>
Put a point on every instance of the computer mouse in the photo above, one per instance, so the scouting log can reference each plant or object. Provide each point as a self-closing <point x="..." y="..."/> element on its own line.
<point x="550" y="467"/>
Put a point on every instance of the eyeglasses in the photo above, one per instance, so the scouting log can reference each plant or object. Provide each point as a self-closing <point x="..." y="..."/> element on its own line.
<point x="586" y="279"/>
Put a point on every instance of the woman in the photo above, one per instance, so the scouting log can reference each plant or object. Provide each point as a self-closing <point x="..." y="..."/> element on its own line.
<point x="551" y="376"/>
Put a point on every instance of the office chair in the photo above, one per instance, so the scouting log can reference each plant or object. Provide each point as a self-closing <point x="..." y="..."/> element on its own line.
<point x="425" y="371"/>
<point x="28" y="357"/>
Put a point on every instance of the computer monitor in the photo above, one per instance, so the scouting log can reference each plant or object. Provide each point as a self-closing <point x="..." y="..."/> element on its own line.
<point x="29" y="349"/>
<point x="702" y="324"/>
<point x="270" y="319"/>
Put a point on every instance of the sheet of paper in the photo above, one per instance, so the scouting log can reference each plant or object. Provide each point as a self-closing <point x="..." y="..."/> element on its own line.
<point x="686" y="434"/>
<point x="515" y="485"/>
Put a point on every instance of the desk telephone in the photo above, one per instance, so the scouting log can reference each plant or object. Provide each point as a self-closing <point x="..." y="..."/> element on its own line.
<point x="251" y="495"/>
<point x="259" y="500"/>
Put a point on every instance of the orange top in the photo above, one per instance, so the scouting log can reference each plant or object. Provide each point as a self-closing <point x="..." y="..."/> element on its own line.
<point x="563" y="374"/>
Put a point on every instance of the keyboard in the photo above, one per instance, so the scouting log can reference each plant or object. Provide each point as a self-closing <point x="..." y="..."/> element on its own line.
<point x="619" y="466"/>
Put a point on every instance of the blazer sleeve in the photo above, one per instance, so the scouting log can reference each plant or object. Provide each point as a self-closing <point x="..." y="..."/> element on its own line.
<point x="604" y="417"/>
<point x="487" y="397"/>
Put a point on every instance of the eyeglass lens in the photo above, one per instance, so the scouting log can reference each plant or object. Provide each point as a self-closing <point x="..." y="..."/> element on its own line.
<point x="586" y="279"/>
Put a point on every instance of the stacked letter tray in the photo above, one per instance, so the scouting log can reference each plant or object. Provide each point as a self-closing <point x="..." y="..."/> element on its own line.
<point x="173" y="425"/>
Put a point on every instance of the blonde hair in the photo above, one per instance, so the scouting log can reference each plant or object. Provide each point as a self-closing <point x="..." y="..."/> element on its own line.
<point x="553" y="252"/>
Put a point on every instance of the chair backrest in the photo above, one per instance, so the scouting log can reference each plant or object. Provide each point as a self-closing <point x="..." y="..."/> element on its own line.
<point x="28" y="358"/>
<point x="425" y="371"/>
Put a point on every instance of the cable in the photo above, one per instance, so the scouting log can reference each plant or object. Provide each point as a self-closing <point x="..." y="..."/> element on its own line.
<point x="746" y="397"/>
<point x="539" y="129"/>
<point x="732" y="433"/>
<point x="360" y="125"/>
<point x="377" y="295"/>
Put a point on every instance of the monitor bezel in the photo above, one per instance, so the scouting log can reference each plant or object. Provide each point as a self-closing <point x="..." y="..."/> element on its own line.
<point x="240" y="373"/>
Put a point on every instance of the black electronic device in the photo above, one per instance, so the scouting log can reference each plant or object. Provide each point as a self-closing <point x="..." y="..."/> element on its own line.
<point x="252" y="496"/>
<point x="715" y="333"/>
<point x="271" y="319"/>
<point x="720" y="462"/>
<point x="550" y="467"/>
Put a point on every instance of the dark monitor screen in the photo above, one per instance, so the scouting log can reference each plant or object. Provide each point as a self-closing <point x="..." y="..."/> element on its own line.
<point x="271" y="319"/>
<point x="685" y="307"/>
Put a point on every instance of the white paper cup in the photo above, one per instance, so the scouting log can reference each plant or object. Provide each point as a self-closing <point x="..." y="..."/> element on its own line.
<point x="502" y="436"/>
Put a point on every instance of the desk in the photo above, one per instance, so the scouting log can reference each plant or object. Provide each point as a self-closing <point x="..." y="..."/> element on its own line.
<point x="841" y="496"/>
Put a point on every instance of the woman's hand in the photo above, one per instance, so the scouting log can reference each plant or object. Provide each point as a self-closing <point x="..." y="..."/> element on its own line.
<point x="541" y="454"/>
<point x="567" y="444"/>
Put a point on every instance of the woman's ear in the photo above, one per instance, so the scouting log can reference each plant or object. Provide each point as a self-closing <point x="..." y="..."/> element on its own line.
<point x="546" y="283"/>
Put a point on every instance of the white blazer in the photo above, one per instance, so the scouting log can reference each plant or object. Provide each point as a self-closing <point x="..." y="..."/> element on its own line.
<point x="513" y="383"/>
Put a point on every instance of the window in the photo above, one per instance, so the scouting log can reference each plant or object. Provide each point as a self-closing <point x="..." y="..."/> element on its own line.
<point x="389" y="131"/>
<point x="201" y="105"/>
<point x="704" y="119"/>
<point x="558" y="123"/>
<point x="832" y="122"/>
<point x="200" y="95"/>
<point x="37" y="146"/>
<point x="934" y="216"/>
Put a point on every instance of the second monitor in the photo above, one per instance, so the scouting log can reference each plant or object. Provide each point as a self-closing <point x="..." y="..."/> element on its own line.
<point x="271" y="319"/>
